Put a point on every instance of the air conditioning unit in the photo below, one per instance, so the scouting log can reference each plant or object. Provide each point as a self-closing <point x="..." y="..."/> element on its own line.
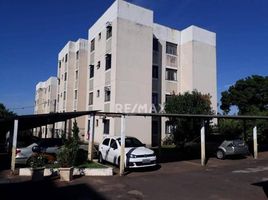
<point x="108" y="24"/>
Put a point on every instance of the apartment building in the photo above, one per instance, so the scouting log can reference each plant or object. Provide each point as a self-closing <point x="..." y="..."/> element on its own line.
<point x="45" y="102"/>
<point x="134" y="63"/>
<point x="72" y="83"/>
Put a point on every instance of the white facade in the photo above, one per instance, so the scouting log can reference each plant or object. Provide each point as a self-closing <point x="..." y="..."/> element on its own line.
<point x="146" y="63"/>
<point x="45" y="102"/>
<point x="72" y="80"/>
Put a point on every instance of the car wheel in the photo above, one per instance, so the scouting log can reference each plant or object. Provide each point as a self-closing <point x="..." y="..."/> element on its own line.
<point x="220" y="154"/>
<point x="101" y="159"/>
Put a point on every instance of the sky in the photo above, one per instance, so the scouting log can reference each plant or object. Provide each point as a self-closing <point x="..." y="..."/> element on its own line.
<point x="33" y="32"/>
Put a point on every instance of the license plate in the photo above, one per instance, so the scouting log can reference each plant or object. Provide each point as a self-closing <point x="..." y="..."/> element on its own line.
<point x="146" y="161"/>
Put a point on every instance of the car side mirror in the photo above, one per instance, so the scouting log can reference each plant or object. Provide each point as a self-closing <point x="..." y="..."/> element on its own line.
<point x="143" y="144"/>
<point x="36" y="149"/>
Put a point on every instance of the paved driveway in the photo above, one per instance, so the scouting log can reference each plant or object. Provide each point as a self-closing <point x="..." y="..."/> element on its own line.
<point x="220" y="179"/>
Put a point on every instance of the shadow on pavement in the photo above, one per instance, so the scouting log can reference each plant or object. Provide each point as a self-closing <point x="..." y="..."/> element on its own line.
<point x="264" y="185"/>
<point x="47" y="189"/>
<point x="145" y="169"/>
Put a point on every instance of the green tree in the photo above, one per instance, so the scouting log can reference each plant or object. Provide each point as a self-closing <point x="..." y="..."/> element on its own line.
<point x="5" y="113"/>
<point x="188" y="103"/>
<point x="67" y="156"/>
<point x="250" y="95"/>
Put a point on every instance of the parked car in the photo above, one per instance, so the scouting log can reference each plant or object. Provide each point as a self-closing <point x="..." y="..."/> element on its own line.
<point x="232" y="147"/>
<point x="48" y="146"/>
<point x="137" y="155"/>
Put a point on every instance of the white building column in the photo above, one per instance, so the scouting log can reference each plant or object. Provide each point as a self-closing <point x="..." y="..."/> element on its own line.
<point x="255" y="142"/>
<point x="91" y="137"/>
<point x="122" y="150"/>
<point x="203" y="149"/>
<point x="14" y="144"/>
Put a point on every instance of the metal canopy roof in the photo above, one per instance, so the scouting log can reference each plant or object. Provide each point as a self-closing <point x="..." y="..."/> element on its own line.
<point x="32" y="121"/>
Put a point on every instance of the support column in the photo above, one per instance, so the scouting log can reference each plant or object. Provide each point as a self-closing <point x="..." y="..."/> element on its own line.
<point x="53" y="131"/>
<point x="203" y="149"/>
<point x="122" y="150"/>
<point x="14" y="145"/>
<point x="255" y="142"/>
<point x="65" y="128"/>
<point x="91" y="137"/>
<point x="46" y="132"/>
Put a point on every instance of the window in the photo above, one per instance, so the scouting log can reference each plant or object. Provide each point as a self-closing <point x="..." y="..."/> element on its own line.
<point x="106" y="141"/>
<point x="168" y="97"/>
<point x="77" y="55"/>
<point x="113" y="144"/>
<point x="98" y="65"/>
<point x="99" y="36"/>
<point x="91" y="71"/>
<point x="75" y="94"/>
<point x="108" y="60"/>
<point x="171" y="48"/>
<point x="76" y="74"/>
<point x="59" y="64"/>
<point x="107" y="91"/>
<point x="49" y="88"/>
<point x="58" y="99"/>
<point x="97" y="122"/>
<point x="108" y="31"/>
<point x="106" y="126"/>
<point x="171" y="74"/>
<point x="155" y="99"/>
<point x="64" y="95"/>
<point x="90" y="99"/>
<point x="98" y="93"/>
<point x="58" y="81"/>
<point x="92" y="45"/>
<point x="66" y="57"/>
<point x="65" y="76"/>
<point x="155" y="44"/>
<point x="155" y="71"/>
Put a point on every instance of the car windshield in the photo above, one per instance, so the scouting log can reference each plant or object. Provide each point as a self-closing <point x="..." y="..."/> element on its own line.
<point x="131" y="142"/>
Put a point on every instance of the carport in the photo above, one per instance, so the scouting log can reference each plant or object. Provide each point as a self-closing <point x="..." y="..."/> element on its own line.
<point x="204" y="118"/>
<point x="32" y="121"/>
<point x="26" y="122"/>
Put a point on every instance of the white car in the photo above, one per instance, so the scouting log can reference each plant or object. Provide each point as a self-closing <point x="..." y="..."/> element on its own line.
<point x="137" y="155"/>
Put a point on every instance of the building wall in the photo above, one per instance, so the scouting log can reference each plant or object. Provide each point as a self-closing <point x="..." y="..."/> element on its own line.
<point x="45" y="97"/>
<point x="76" y="80"/>
<point x="130" y="77"/>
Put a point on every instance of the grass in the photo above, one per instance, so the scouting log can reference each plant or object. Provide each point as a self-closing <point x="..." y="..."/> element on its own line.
<point x="89" y="164"/>
<point x="86" y="164"/>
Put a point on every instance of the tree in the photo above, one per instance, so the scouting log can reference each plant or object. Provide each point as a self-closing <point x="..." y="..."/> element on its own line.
<point x="5" y="113"/>
<point x="67" y="156"/>
<point x="250" y="95"/>
<point x="188" y="103"/>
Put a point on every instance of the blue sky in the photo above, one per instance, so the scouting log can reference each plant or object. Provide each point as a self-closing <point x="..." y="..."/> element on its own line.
<point x="33" y="32"/>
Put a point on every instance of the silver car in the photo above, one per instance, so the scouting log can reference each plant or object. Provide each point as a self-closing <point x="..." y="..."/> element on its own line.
<point x="232" y="147"/>
<point x="46" y="145"/>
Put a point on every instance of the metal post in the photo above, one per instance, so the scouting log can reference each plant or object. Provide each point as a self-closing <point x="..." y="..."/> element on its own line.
<point x="46" y="132"/>
<point x="91" y="137"/>
<point x="14" y="145"/>
<point x="65" y="128"/>
<point x="255" y="142"/>
<point x="53" y="131"/>
<point x="122" y="150"/>
<point x="203" y="150"/>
